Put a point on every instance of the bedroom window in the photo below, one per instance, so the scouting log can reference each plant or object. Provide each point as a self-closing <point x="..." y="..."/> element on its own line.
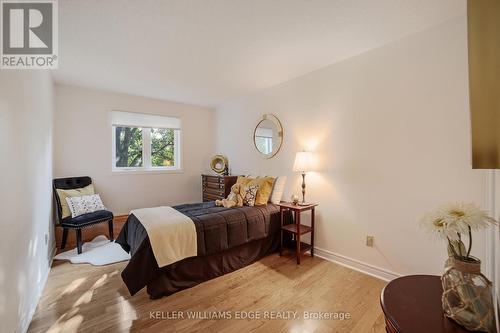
<point x="143" y="142"/>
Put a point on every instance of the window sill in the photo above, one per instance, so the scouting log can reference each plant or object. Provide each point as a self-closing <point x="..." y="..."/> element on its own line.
<point x="145" y="171"/>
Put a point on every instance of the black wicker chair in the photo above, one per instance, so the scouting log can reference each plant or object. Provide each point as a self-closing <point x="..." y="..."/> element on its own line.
<point x="82" y="221"/>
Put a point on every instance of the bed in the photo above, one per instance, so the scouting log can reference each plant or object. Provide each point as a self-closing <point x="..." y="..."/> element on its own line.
<point x="227" y="239"/>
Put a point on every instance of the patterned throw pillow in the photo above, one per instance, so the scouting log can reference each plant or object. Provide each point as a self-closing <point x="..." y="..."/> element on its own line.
<point x="84" y="204"/>
<point x="250" y="194"/>
<point x="265" y="187"/>
<point x="77" y="192"/>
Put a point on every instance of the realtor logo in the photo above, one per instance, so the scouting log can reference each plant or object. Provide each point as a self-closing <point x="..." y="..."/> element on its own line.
<point x="29" y="34"/>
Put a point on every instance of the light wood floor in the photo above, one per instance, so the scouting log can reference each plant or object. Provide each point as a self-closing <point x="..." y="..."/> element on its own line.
<point x="84" y="298"/>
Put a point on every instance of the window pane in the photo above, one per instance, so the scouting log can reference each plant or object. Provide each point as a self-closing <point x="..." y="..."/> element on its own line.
<point x="128" y="147"/>
<point x="162" y="147"/>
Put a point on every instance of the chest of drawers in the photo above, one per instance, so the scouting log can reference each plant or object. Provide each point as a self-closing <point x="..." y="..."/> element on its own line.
<point x="216" y="187"/>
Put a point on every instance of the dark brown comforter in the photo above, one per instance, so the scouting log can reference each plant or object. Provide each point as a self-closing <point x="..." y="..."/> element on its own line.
<point x="222" y="235"/>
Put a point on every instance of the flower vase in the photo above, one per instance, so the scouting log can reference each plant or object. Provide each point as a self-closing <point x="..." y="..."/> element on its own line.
<point x="468" y="295"/>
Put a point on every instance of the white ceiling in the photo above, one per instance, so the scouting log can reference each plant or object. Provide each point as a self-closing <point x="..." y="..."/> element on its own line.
<point x="206" y="52"/>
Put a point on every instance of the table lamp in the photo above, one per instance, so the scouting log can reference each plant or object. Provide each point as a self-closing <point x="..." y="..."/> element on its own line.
<point x="303" y="164"/>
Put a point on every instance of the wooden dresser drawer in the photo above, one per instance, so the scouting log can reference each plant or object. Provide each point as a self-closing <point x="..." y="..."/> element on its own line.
<point x="213" y="179"/>
<point x="210" y="185"/>
<point x="212" y="191"/>
<point x="211" y="197"/>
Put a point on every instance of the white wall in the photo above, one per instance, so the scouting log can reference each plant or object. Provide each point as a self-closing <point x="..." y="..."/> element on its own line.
<point x="25" y="193"/>
<point x="390" y="129"/>
<point x="496" y="236"/>
<point x="83" y="147"/>
<point x="497" y="194"/>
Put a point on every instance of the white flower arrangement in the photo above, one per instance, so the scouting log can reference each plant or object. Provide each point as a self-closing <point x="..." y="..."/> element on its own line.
<point x="451" y="221"/>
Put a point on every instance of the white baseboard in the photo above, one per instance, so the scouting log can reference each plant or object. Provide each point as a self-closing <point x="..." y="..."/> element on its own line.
<point x="39" y="291"/>
<point x="377" y="272"/>
<point x="52" y="255"/>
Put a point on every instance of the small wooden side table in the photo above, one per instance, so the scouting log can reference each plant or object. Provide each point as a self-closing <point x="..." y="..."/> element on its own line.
<point x="412" y="304"/>
<point x="297" y="229"/>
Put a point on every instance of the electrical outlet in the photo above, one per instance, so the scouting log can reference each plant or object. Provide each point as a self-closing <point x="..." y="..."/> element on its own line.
<point x="369" y="241"/>
<point x="46" y="239"/>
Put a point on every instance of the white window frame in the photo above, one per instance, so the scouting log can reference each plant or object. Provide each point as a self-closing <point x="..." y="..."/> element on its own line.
<point x="146" y="151"/>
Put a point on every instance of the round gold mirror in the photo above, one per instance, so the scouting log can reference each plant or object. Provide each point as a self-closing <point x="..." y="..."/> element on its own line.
<point x="268" y="136"/>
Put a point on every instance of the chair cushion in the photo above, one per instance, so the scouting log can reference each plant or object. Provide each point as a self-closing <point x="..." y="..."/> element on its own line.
<point x="100" y="215"/>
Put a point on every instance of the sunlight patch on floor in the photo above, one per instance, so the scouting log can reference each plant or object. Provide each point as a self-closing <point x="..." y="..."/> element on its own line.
<point x="73" y="285"/>
<point x="100" y="282"/>
<point x="302" y="328"/>
<point x="85" y="298"/>
<point x="128" y="312"/>
<point x="70" y="325"/>
<point x="127" y="308"/>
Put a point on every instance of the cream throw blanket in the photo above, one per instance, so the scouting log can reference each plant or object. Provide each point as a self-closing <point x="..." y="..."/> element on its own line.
<point x="171" y="233"/>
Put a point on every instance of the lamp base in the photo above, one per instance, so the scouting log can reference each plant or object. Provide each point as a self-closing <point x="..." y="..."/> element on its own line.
<point x="303" y="204"/>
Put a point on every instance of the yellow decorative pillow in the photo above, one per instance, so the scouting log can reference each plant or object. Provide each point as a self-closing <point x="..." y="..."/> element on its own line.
<point x="243" y="180"/>
<point x="77" y="192"/>
<point x="265" y="188"/>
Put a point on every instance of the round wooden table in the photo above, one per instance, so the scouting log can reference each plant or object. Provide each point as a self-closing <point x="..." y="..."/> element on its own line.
<point x="412" y="304"/>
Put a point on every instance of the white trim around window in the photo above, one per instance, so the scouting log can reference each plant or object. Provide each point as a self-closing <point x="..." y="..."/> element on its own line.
<point x="146" y="123"/>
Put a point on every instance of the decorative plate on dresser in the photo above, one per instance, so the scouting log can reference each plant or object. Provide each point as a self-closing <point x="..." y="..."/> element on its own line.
<point x="216" y="187"/>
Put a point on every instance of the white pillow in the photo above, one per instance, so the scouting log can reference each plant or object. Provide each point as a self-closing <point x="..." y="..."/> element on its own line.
<point x="278" y="189"/>
<point x="84" y="204"/>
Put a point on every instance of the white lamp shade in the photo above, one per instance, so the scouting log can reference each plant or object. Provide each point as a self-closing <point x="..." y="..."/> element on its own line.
<point x="303" y="162"/>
